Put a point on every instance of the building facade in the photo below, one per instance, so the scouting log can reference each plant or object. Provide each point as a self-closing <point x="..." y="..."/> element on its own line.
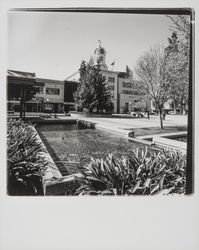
<point x="129" y="100"/>
<point x="112" y="79"/>
<point x="121" y="84"/>
<point x="50" y="95"/>
<point x="20" y="89"/>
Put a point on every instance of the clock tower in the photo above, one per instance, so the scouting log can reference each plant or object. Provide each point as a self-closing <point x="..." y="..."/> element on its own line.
<point x="100" y="56"/>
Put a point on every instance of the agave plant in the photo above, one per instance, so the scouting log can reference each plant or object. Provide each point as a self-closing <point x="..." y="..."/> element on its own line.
<point x="25" y="163"/>
<point x="139" y="173"/>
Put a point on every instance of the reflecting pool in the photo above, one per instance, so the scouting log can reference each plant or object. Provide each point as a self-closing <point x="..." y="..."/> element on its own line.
<point x="71" y="146"/>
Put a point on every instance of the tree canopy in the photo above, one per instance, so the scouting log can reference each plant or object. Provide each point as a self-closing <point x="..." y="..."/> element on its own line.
<point x="93" y="92"/>
<point x="177" y="57"/>
<point x="150" y="71"/>
<point x="163" y="73"/>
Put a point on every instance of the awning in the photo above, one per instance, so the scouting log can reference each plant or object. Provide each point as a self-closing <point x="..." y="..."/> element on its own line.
<point x="20" y="77"/>
<point x="21" y="74"/>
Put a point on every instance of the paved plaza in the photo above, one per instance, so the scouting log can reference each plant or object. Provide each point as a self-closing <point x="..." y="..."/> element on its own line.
<point x="124" y="124"/>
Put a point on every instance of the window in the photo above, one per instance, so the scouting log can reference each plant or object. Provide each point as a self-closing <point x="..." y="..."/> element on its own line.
<point x="127" y="92"/>
<point x="130" y="92"/>
<point x="52" y="91"/>
<point x="111" y="79"/>
<point x="127" y="84"/>
<point x="111" y="87"/>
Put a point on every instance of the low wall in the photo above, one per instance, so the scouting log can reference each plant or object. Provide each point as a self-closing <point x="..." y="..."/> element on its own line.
<point x="92" y="114"/>
<point x="52" y="171"/>
<point x="53" y="121"/>
<point x="66" y="185"/>
<point x="165" y="142"/>
<point x="86" y="123"/>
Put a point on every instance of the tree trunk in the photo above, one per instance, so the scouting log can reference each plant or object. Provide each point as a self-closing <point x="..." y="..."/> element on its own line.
<point x="183" y="109"/>
<point x="161" y="119"/>
<point x="175" y="108"/>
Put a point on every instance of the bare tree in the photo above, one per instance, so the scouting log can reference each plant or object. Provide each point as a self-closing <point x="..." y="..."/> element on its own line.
<point x="150" y="71"/>
<point x="181" y="24"/>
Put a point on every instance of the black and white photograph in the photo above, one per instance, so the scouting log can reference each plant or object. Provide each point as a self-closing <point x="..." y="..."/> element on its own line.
<point x="99" y="125"/>
<point x="99" y="102"/>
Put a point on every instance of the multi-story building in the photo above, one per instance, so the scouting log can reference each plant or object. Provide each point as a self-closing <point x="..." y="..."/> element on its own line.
<point x="53" y="96"/>
<point x="50" y="95"/>
<point x="112" y="79"/>
<point x="123" y="94"/>
<point x="128" y="98"/>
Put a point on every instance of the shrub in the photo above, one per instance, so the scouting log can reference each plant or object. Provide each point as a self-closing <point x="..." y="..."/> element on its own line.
<point x="137" y="174"/>
<point x="25" y="164"/>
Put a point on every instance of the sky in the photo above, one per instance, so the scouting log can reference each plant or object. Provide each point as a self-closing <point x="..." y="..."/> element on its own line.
<point x="53" y="44"/>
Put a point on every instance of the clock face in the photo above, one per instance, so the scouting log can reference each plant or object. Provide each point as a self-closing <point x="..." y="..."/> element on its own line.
<point x="101" y="51"/>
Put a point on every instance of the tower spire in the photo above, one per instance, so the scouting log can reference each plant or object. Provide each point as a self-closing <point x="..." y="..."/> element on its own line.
<point x="100" y="43"/>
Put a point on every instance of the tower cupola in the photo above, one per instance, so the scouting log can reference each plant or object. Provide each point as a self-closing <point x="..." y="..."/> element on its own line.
<point x="100" y="56"/>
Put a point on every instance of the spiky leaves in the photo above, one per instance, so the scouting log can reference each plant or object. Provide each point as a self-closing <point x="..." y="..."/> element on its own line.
<point x="25" y="164"/>
<point x="140" y="173"/>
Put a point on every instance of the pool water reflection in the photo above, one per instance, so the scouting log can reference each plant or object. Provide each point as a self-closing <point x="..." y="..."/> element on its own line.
<point x="71" y="146"/>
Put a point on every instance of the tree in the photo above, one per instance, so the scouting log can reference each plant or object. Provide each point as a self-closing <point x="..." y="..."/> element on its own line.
<point x="93" y="92"/>
<point x="152" y="82"/>
<point x="178" y="53"/>
<point x="177" y="72"/>
<point x="181" y="25"/>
